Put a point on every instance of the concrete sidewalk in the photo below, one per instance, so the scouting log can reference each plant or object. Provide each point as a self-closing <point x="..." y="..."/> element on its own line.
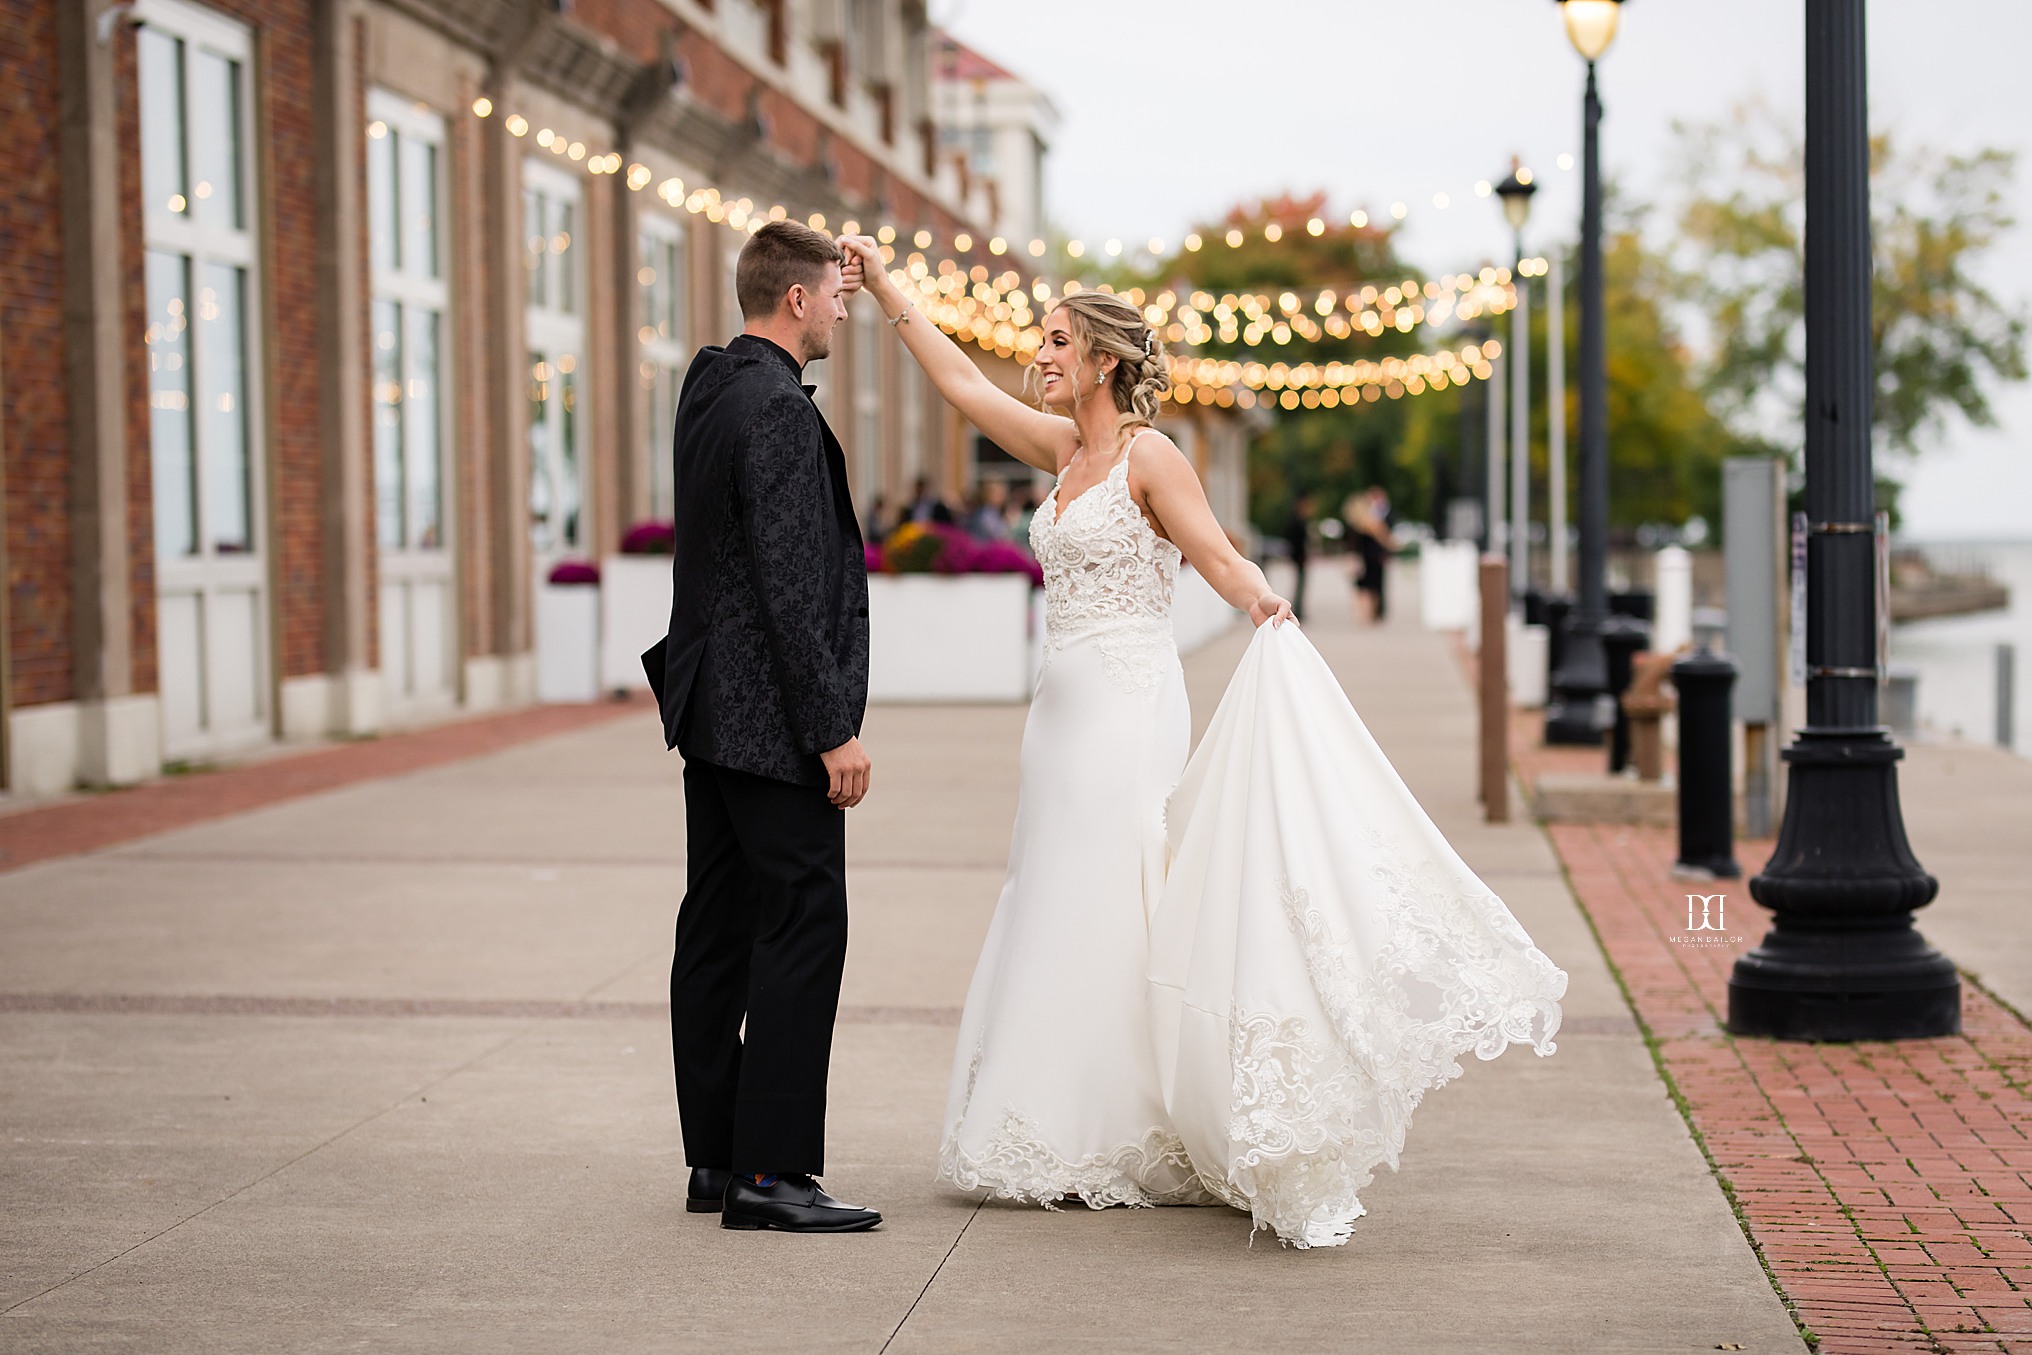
<point x="386" y="1067"/>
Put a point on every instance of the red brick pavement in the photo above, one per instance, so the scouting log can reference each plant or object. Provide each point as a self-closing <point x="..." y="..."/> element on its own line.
<point x="85" y="825"/>
<point x="1887" y="1186"/>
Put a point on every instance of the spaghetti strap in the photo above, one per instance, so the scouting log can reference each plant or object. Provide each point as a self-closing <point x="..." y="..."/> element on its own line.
<point x="1123" y="465"/>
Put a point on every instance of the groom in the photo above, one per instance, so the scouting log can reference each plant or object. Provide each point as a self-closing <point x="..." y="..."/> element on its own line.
<point x="762" y="683"/>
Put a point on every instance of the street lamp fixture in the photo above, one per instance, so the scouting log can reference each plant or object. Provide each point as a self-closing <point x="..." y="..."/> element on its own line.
<point x="1591" y="25"/>
<point x="1516" y="192"/>
<point x="1581" y="708"/>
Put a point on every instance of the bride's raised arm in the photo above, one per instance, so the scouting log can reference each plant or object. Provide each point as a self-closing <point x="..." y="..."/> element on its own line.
<point x="1030" y="435"/>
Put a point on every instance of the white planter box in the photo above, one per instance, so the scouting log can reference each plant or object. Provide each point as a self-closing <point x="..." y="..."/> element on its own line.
<point x="1449" y="593"/>
<point x="1199" y="615"/>
<point x="634" y="614"/>
<point x="934" y="637"/>
<point x="568" y="642"/>
<point x="1526" y="651"/>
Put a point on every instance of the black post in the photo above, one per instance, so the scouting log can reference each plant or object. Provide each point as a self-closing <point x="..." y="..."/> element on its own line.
<point x="1622" y="637"/>
<point x="1704" y="681"/>
<point x="1579" y="710"/>
<point x="1842" y="960"/>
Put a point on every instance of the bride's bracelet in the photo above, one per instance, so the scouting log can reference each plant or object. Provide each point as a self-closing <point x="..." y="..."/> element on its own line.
<point x="903" y="315"/>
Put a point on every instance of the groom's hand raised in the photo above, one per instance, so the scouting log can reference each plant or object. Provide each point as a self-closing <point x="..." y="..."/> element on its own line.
<point x="848" y="766"/>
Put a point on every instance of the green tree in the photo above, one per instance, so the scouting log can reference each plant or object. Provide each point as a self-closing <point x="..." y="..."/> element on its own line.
<point x="1326" y="452"/>
<point x="1942" y="338"/>
<point x="1666" y="443"/>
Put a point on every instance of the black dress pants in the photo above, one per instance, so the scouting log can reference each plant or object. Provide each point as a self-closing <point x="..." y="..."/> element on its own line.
<point x="761" y="938"/>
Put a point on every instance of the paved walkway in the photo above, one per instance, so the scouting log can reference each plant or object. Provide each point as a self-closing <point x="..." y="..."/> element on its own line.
<point x="384" y="1066"/>
<point x="1887" y="1185"/>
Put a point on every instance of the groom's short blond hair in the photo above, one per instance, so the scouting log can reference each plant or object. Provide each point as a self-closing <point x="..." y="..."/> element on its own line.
<point x="781" y="255"/>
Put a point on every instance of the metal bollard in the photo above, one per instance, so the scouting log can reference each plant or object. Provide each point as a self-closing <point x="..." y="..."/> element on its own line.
<point x="1557" y="605"/>
<point x="1622" y="636"/>
<point x="1707" y="847"/>
<point x="2007" y="691"/>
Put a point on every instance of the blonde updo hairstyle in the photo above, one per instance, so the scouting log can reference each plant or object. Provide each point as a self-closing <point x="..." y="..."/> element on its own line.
<point x="1101" y="324"/>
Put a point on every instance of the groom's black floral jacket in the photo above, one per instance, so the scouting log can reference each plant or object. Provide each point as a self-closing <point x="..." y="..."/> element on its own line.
<point x="766" y="663"/>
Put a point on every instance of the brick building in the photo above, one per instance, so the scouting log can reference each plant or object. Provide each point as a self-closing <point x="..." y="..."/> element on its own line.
<point x="328" y="326"/>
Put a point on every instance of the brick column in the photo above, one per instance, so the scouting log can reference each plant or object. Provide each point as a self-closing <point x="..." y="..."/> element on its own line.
<point x="119" y="737"/>
<point x="346" y="505"/>
<point x="508" y="360"/>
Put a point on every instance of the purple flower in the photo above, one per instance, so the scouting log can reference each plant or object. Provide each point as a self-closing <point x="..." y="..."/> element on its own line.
<point x="872" y="554"/>
<point x="957" y="551"/>
<point x="574" y="572"/>
<point x="1004" y="557"/>
<point x="649" y="538"/>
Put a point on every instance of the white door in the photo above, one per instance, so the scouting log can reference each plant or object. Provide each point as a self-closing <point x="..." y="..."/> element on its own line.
<point x="199" y="213"/>
<point x="555" y="328"/>
<point x="412" y="520"/>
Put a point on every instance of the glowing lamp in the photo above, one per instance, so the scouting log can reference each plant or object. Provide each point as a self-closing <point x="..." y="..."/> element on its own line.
<point x="1591" y="24"/>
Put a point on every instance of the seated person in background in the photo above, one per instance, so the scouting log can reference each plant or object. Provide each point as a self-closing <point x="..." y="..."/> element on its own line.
<point x="989" y="520"/>
<point x="926" y="506"/>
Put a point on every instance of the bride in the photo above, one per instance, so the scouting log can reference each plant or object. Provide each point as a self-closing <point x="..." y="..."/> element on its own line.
<point x="1073" y="1032"/>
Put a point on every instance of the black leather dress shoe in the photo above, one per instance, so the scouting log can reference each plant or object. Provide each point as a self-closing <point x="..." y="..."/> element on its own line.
<point x="791" y="1204"/>
<point x="708" y="1190"/>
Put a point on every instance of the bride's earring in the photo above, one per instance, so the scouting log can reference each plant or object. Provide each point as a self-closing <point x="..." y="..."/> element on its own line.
<point x="1099" y="377"/>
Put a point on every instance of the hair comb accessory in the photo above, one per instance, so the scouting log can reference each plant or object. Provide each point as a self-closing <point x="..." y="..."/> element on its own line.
<point x="1149" y="343"/>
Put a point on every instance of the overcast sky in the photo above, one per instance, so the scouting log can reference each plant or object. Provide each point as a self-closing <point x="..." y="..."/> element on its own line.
<point x="1173" y="111"/>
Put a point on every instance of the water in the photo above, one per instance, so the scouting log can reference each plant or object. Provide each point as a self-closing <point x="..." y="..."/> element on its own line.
<point x="1956" y="656"/>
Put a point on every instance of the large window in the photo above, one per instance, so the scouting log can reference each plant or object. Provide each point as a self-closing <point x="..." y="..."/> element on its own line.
<point x="405" y="212"/>
<point x="409" y="337"/>
<point x="198" y="191"/>
<point x="663" y="296"/>
<point x="199" y="254"/>
<point x="556" y="334"/>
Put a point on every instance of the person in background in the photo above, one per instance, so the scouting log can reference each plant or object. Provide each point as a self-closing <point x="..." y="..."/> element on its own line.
<point x="1368" y="518"/>
<point x="926" y="506"/>
<point x="989" y="520"/>
<point x="1019" y="531"/>
<point x="878" y="520"/>
<point x="1298" y="537"/>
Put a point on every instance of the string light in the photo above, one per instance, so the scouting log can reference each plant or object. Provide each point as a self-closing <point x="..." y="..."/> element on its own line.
<point x="996" y="312"/>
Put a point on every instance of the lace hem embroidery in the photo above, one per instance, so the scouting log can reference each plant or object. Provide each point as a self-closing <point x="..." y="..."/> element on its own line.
<point x="1315" y="1112"/>
<point x="1017" y="1164"/>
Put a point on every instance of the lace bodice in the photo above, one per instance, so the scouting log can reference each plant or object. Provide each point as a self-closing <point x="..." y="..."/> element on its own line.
<point x="1107" y="574"/>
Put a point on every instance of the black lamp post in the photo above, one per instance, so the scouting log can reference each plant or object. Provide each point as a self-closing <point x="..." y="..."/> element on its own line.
<point x="1580" y="709"/>
<point x="1515" y="193"/>
<point x="1842" y="960"/>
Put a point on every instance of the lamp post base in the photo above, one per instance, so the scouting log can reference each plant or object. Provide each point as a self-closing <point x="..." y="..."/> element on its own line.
<point x="1580" y="710"/>
<point x="1887" y="985"/>
<point x="1842" y="960"/>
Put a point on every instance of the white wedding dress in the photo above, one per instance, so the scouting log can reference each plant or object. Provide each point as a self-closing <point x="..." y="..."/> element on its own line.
<point x="1252" y="1021"/>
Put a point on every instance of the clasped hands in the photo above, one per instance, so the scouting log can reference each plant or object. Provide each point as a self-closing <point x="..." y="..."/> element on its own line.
<point x="854" y="268"/>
